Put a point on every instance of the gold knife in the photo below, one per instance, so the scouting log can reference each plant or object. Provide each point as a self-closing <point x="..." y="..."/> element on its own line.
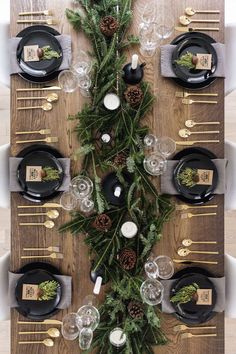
<point x="46" y="88"/>
<point x="190" y="143"/>
<point x="189" y="261"/>
<point x="42" y="322"/>
<point x="45" y="205"/>
<point x="191" y="29"/>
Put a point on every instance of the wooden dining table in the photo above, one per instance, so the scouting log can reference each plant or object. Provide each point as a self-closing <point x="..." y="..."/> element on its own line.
<point x="166" y="118"/>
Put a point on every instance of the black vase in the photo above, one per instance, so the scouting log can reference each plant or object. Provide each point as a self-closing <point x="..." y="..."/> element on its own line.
<point x="133" y="76"/>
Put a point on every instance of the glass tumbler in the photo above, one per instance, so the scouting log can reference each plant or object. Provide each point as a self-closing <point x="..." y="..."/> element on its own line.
<point x="86" y="205"/>
<point x="68" y="201"/>
<point x="166" y="146"/>
<point x="70" y="329"/>
<point x="152" y="291"/>
<point x="149" y="39"/>
<point x="68" y="81"/>
<point x="150" y="141"/>
<point x="165" y="267"/>
<point x="154" y="164"/>
<point x="82" y="187"/>
<point x="82" y="64"/>
<point x="165" y="18"/>
<point x="84" y="83"/>
<point x="151" y="269"/>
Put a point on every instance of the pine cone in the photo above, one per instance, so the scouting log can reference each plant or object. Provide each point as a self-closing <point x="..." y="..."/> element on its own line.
<point x="127" y="258"/>
<point x="120" y="159"/>
<point x="133" y="95"/>
<point x="102" y="222"/>
<point x="135" y="310"/>
<point x="109" y="25"/>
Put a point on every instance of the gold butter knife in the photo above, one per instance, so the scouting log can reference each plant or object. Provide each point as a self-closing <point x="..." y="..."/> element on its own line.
<point x="192" y="29"/>
<point x="189" y="261"/>
<point x="44" y="12"/>
<point x="190" y="143"/>
<point x="45" y="22"/>
<point x="46" y="88"/>
<point x="45" y="205"/>
<point x="46" y="322"/>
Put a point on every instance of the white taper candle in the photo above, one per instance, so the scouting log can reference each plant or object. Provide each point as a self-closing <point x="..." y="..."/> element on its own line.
<point x="134" y="62"/>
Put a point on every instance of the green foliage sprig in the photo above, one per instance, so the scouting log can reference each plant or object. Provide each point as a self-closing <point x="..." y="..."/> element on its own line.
<point x="185" y="294"/>
<point x="48" y="290"/>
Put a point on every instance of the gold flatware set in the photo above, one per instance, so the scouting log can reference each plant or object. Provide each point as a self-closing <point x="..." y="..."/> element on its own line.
<point x="186" y="19"/>
<point x="49" y="249"/>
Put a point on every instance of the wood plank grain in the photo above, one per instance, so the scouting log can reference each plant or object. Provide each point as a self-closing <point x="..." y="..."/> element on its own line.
<point x="166" y="118"/>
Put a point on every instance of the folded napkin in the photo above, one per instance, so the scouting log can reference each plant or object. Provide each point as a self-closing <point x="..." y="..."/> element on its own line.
<point x="219" y="284"/>
<point x="63" y="39"/>
<point x="14" y="184"/>
<point x="167" y="186"/>
<point x="65" y="281"/>
<point x="166" y="60"/>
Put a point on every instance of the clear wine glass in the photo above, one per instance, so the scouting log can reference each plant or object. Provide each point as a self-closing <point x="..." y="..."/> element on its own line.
<point x="148" y="13"/>
<point x="150" y="141"/>
<point x="86" y="205"/>
<point x="88" y="317"/>
<point x="166" y="146"/>
<point x="84" y="83"/>
<point x="68" y="201"/>
<point x="152" y="291"/>
<point x="70" y="329"/>
<point x="151" y="269"/>
<point x="154" y="164"/>
<point x="149" y="39"/>
<point x="68" y="81"/>
<point x="82" y="187"/>
<point x="82" y="64"/>
<point x="85" y="338"/>
<point x="165" y="267"/>
<point x="165" y="19"/>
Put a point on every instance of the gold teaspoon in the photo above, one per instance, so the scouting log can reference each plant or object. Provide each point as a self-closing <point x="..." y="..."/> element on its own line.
<point x="52" y="214"/>
<point x="184" y="133"/>
<point x="51" y="97"/>
<point x="45" y="107"/>
<point x="185" y="252"/>
<point x="184" y="20"/>
<point x="52" y="332"/>
<point x="48" y="342"/>
<point x="190" y="11"/>
<point x="190" y="123"/>
<point x="48" y="224"/>
<point x="187" y="242"/>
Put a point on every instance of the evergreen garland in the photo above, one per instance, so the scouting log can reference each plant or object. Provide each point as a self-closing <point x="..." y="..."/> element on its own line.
<point x="144" y="205"/>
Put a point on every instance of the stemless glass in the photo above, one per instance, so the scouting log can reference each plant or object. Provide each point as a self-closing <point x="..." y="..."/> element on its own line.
<point x="84" y="83"/>
<point x="86" y="205"/>
<point x="149" y="39"/>
<point x="68" y="201"/>
<point x="165" y="267"/>
<point x="150" y="141"/>
<point x="151" y="269"/>
<point x="165" y="19"/>
<point x="85" y="338"/>
<point x="68" y="81"/>
<point x="152" y="291"/>
<point x="88" y="317"/>
<point x="166" y="146"/>
<point x="82" y="64"/>
<point x="70" y="329"/>
<point x="82" y="187"/>
<point x="154" y="164"/>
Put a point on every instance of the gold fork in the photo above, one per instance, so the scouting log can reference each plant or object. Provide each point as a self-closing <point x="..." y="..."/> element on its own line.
<point x="44" y="12"/>
<point x="52" y="256"/>
<point x="50" y="139"/>
<point x="186" y="207"/>
<point x="49" y="249"/>
<point x="46" y="22"/>
<point x="188" y="101"/>
<point x="41" y="132"/>
<point x="190" y="215"/>
<point x="190" y="335"/>
<point x="187" y="94"/>
<point x="178" y="328"/>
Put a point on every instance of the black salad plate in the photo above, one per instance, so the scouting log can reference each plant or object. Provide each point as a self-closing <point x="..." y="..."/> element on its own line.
<point x="191" y="313"/>
<point x="113" y="190"/>
<point x="193" y="42"/>
<point x="41" y="35"/>
<point x="39" y="155"/>
<point x="36" y="273"/>
<point x="197" y="194"/>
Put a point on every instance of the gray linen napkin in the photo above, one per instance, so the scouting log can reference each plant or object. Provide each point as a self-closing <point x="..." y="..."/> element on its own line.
<point x="14" y="185"/>
<point x="63" y="39"/>
<point x="166" y="59"/>
<point x="167" y="186"/>
<point x="65" y="280"/>
<point x="219" y="284"/>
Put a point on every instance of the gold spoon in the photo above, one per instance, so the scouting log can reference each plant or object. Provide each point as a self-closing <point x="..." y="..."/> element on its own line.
<point x="190" y="11"/>
<point x="190" y="123"/>
<point x="184" y="20"/>
<point x="184" y="133"/>
<point x="45" y="107"/>
<point x="51" y="97"/>
<point x="45" y="205"/>
<point x="52" y="332"/>
<point x="52" y="256"/>
<point x="178" y="328"/>
<point x="185" y="252"/>
<point x="48" y="342"/>
<point x="48" y="224"/>
<point x="52" y="214"/>
<point x="188" y="242"/>
<point x="190" y="335"/>
<point x="45" y="322"/>
<point x="49" y="249"/>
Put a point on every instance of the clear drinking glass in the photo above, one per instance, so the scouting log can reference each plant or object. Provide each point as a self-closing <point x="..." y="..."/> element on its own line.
<point x="149" y="39"/>
<point x="152" y="291"/>
<point x="165" y="18"/>
<point x="70" y="329"/>
<point x="165" y="267"/>
<point x="84" y="83"/>
<point x="82" y="64"/>
<point x="148" y="13"/>
<point x="88" y="317"/>
<point x="85" y="338"/>
<point x="68" y="81"/>
<point x="82" y="187"/>
<point x="166" y="146"/>
<point x="86" y="205"/>
<point x="154" y="164"/>
<point x="150" y="141"/>
<point x="68" y="201"/>
<point x="151" y="269"/>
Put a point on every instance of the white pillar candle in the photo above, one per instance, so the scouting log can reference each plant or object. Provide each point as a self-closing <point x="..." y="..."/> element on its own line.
<point x="97" y="286"/>
<point x="129" y="229"/>
<point x="134" y="62"/>
<point x="117" y="337"/>
<point x="111" y="101"/>
<point x="106" y="138"/>
<point x="117" y="191"/>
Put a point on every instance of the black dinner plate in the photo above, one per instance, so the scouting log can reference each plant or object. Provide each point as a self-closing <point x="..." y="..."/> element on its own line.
<point x="191" y="313"/>
<point x="193" y="42"/>
<point x="37" y="155"/>
<point x="51" y="31"/>
<point x="197" y="194"/>
<point x="110" y="183"/>
<point x="35" y="273"/>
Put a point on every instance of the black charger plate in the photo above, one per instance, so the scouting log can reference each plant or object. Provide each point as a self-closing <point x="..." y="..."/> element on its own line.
<point x="191" y="313"/>
<point x="193" y="42"/>
<point x="35" y="273"/>
<point x="198" y="194"/>
<point x="25" y="32"/>
<point x="38" y="192"/>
